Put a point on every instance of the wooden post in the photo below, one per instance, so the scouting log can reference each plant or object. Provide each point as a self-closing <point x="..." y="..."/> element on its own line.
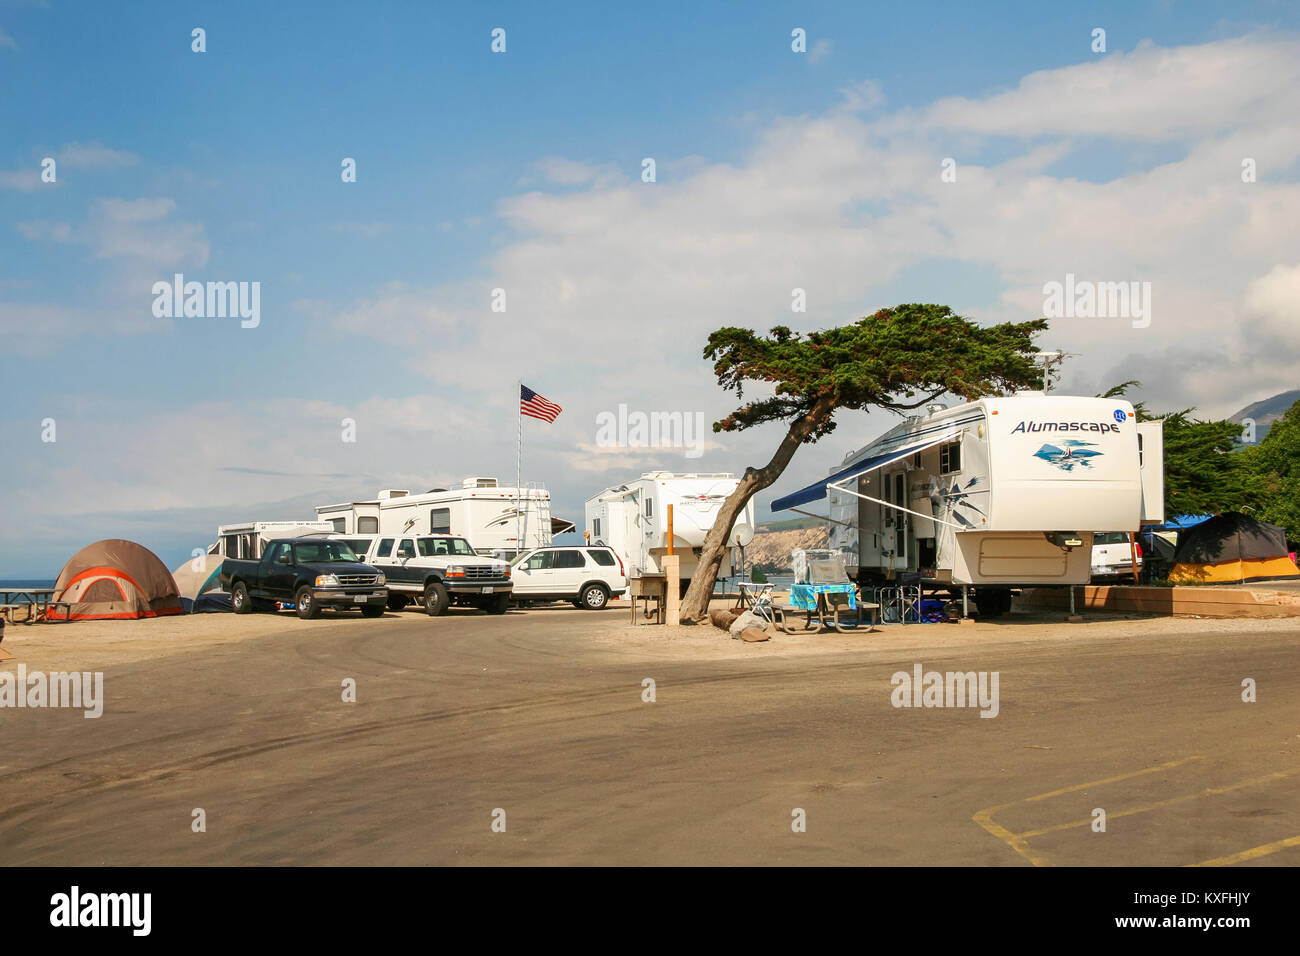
<point x="670" y="529"/>
<point x="672" y="589"/>
<point x="1132" y="550"/>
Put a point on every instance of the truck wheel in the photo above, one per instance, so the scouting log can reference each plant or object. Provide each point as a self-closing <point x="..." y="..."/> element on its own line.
<point x="308" y="609"/>
<point x="239" y="599"/>
<point x="435" y="599"/>
<point x="397" y="601"/>
<point x="371" y="610"/>
<point x="593" y="597"/>
<point x="497" y="604"/>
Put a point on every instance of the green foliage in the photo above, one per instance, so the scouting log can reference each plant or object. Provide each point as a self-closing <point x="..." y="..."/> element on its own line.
<point x="1203" y="472"/>
<point x="1274" y="466"/>
<point x="899" y="358"/>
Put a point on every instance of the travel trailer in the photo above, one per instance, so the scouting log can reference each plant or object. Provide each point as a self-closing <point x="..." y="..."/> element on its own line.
<point x="995" y="493"/>
<point x="632" y="518"/>
<point x="248" y="540"/>
<point x="482" y="510"/>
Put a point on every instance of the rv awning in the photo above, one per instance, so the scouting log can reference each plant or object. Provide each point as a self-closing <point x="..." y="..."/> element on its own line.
<point x="560" y="526"/>
<point x="817" y="490"/>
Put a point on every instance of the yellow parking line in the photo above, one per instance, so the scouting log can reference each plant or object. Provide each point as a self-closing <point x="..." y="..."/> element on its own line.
<point x="1208" y="792"/>
<point x="1122" y="776"/>
<point x="985" y="819"/>
<point x="1017" y="841"/>
<point x="1253" y="853"/>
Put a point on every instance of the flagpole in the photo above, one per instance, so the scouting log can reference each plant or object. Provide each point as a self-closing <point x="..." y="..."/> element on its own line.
<point x="519" y="469"/>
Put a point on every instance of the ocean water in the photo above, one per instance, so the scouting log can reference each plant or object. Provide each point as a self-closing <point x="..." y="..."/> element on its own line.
<point x="19" y="583"/>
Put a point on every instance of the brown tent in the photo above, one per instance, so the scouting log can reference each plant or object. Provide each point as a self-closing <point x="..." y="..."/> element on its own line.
<point x="115" y="579"/>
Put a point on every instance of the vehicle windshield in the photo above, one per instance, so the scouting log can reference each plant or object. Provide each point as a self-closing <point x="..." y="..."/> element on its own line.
<point x="1110" y="537"/>
<point x="439" y="547"/>
<point x="324" y="552"/>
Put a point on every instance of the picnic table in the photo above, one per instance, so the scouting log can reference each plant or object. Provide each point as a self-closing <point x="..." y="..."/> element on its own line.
<point x="39" y="602"/>
<point x="826" y="602"/>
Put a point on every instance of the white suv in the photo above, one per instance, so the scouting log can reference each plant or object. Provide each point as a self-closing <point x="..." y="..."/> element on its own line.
<point x="585" y="576"/>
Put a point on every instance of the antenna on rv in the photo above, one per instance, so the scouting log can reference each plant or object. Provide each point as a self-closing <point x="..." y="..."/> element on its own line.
<point x="1051" y="361"/>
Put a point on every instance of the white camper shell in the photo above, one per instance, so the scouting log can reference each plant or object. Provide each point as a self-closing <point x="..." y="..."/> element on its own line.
<point x="1001" y="491"/>
<point x="481" y="509"/>
<point x="249" y="539"/>
<point x="632" y="518"/>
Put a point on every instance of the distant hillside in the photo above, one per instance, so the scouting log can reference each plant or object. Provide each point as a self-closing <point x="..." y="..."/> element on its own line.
<point x="1266" y="412"/>
<point x="790" y="524"/>
<point x="772" y="548"/>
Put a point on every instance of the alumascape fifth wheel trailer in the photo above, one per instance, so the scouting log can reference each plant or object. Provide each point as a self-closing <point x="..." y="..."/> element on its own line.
<point x="993" y="494"/>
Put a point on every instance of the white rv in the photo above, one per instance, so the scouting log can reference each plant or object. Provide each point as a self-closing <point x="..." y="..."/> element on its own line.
<point x="482" y="510"/>
<point x="996" y="493"/>
<point x="632" y="518"/>
<point x="248" y="540"/>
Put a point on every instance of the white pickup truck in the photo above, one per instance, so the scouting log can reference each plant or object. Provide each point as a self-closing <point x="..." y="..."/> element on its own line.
<point x="438" y="570"/>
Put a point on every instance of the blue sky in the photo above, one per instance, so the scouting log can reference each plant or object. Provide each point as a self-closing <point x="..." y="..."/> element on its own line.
<point x="478" y="170"/>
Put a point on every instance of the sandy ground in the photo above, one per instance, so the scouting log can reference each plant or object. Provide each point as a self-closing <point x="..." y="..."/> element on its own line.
<point x="90" y="645"/>
<point x="543" y="713"/>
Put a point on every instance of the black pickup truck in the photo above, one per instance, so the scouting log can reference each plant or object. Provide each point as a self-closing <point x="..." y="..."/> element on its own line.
<point x="312" y="573"/>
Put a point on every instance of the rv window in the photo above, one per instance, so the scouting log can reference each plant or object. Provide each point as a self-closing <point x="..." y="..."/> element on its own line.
<point x="569" y="559"/>
<point x="339" y="525"/>
<point x="916" y="460"/>
<point x="1139" y="449"/>
<point x="595" y="527"/>
<point x="406" y="549"/>
<point x="649" y="507"/>
<point x="385" y="548"/>
<point x="367" y="525"/>
<point x="440" y="521"/>
<point x="949" y="457"/>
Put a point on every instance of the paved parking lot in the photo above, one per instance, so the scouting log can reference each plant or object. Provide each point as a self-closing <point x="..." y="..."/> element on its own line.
<point x="540" y="714"/>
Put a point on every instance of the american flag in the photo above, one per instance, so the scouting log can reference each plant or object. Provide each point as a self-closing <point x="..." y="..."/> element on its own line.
<point x="532" y="404"/>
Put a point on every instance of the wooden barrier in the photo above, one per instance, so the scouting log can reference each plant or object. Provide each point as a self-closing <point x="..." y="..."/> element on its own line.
<point x="1171" y="602"/>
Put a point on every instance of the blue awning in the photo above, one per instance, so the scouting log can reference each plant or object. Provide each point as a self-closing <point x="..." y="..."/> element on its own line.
<point x="817" y="490"/>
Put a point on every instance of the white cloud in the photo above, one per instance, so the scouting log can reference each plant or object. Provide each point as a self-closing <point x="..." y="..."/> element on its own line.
<point x="21" y="179"/>
<point x="95" y="156"/>
<point x="1152" y="93"/>
<point x="613" y="285"/>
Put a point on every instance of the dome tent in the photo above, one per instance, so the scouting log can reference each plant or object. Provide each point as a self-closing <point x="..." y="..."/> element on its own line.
<point x="1232" y="548"/>
<point x="114" y="579"/>
<point x="198" y="583"/>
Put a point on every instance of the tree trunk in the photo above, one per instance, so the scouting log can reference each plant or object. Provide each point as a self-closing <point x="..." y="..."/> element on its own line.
<point x="695" y="606"/>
